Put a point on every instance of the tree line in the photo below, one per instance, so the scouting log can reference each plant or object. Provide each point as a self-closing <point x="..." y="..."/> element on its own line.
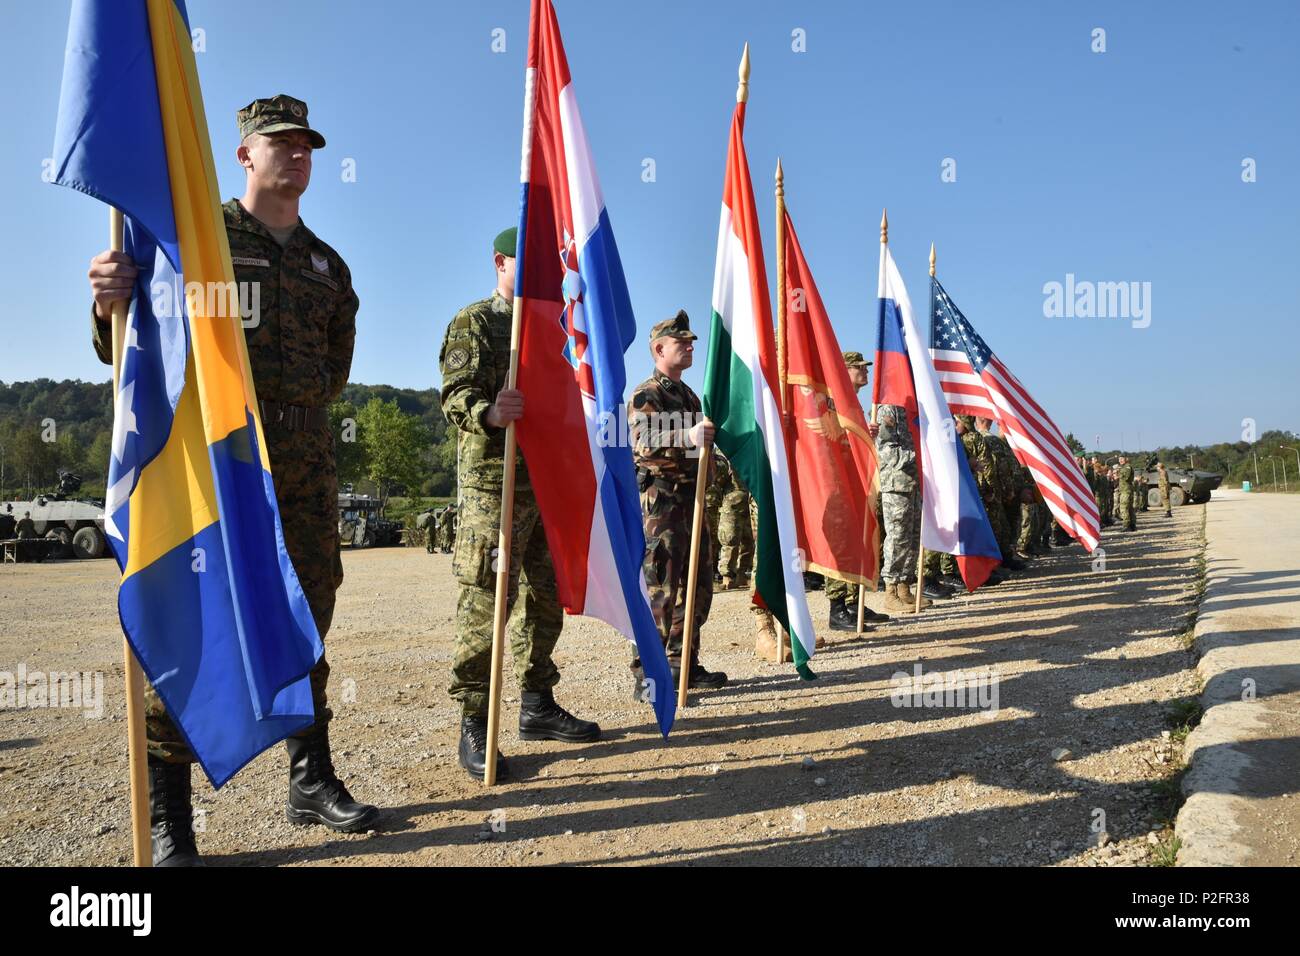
<point x="395" y="441"/>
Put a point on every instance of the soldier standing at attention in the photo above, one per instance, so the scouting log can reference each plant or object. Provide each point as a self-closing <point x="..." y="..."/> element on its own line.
<point x="475" y="362"/>
<point x="900" y="506"/>
<point x="842" y="616"/>
<point x="666" y="447"/>
<point x="735" y="534"/>
<point x="713" y="498"/>
<point x="300" y="351"/>
<point x="1163" y="485"/>
<point x="452" y="518"/>
<point x="1124" y="486"/>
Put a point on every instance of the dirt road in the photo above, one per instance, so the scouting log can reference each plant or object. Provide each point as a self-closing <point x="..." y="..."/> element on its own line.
<point x="771" y="769"/>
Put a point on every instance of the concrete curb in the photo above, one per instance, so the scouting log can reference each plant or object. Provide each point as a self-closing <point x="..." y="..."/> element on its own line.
<point x="1248" y="638"/>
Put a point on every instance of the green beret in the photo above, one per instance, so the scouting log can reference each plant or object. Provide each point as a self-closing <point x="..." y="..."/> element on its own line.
<point x="507" y="242"/>
<point x="678" y="327"/>
<point x="855" y="360"/>
<point x="276" y="114"/>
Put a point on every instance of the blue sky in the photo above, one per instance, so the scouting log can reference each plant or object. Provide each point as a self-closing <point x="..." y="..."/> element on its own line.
<point x="1117" y="166"/>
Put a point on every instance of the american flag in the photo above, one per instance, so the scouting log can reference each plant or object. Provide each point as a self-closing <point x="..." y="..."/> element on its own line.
<point x="975" y="382"/>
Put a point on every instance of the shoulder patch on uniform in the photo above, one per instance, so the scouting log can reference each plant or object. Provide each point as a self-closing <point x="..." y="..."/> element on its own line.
<point x="457" y="359"/>
<point x="320" y="263"/>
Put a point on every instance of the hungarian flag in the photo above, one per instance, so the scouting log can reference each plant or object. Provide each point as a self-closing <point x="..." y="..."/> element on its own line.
<point x="740" y="397"/>
<point x="834" y="479"/>
<point x="577" y="323"/>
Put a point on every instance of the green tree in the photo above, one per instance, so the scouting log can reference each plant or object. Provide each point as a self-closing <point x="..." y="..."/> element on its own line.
<point x="350" y="452"/>
<point x="1076" y="446"/>
<point x="393" y="441"/>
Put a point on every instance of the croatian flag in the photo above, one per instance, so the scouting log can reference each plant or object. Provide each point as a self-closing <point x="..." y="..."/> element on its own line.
<point x="953" y="519"/>
<point x="577" y="322"/>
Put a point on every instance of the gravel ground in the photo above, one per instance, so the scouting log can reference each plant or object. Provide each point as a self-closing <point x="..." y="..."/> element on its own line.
<point x="771" y="769"/>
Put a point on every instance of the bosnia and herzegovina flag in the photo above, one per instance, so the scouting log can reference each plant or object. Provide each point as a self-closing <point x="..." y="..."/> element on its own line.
<point x="953" y="519"/>
<point x="834" y="479"/>
<point x="576" y="324"/>
<point x="740" y="397"/>
<point x="209" y="599"/>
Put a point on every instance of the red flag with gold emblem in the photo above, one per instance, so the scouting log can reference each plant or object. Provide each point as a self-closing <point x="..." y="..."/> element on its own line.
<point x="833" y="475"/>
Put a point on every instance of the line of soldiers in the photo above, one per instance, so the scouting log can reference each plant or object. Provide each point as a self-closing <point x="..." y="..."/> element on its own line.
<point x="1120" y="493"/>
<point x="439" y="528"/>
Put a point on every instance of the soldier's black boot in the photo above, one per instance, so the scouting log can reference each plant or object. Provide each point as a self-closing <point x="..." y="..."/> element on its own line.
<point x="473" y="749"/>
<point x="699" y="677"/>
<point x="841" y="619"/>
<point x="316" y="795"/>
<point x="171" y="815"/>
<point x="541" y="718"/>
<point x="935" y="590"/>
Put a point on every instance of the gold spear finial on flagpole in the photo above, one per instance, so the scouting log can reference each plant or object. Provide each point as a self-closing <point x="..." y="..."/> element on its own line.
<point x="742" y="90"/>
<point x="932" y="260"/>
<point x="884" y="226"/>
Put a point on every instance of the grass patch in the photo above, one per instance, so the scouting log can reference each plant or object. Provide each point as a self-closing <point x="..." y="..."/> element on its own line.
<point x="1165" y="853"/>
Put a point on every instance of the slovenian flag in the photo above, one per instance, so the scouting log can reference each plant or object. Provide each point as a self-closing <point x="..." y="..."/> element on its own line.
<point x="953" y="519"/>
<point x="577" y="323"/>
<point x="740" y="398"/>
<point x="209" y="599"/>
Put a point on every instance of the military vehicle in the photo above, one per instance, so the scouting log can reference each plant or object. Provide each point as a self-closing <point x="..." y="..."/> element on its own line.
<point x="77" y="524"/>
<point x="362" y="523"/>
<point x="1185" y="487"/>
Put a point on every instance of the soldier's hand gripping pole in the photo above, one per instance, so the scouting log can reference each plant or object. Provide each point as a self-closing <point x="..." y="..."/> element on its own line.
<point x="503" y="561"/>
<point x="693" y="571"/>
<point x="137" y="765"/>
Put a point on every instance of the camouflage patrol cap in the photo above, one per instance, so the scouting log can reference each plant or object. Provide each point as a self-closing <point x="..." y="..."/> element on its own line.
<point x="855" y="360"/>
<point x="277" y="114"/>
<point x="678" y="327"/>
<point x="967" y="420"/>
<point x="507" y="242"/>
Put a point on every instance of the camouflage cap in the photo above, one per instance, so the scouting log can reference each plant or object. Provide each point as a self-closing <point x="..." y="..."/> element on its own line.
<point x="855" y="360"/>
<point x="277" y="114"/>
<point x="507" y="242"/>
<point x="967" y="420"/>
<point x="678" y="327"/>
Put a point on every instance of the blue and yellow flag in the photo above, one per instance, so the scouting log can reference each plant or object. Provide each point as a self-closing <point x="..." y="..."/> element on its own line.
<point x="209" y="598"/>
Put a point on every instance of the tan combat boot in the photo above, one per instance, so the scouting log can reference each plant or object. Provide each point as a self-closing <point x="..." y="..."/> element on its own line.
<point x="907" y="594"/>
<point x="894" y="601"/>
<point x="765" y="641"/>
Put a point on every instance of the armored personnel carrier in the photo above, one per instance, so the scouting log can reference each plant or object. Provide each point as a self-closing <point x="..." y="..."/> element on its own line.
<point x="77" y="524"/>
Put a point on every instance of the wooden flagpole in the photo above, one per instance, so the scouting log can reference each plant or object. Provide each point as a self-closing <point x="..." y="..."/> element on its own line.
<point x="781" y="355"/>
<point x="504" y="539"/>
<point x="693" y="573"/>
<point x="137" y="763"/>
<point x="875" y="410"/>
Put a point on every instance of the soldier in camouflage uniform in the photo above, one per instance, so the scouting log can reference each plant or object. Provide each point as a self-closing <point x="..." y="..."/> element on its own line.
<point x="1124" y="495"/>
<point x="300" y="351"/>
<point x="667" y="429"/>
<point x="475" y="364"/>
<point x="1162" y="482"/>
<point x="1140" y="491"/>
<point x="713" y="497"/>
<point x="736" y="535"/>
<point x="900" y="508"/>
<point x="453" y="522"/>
<point x="1001" y="492"/>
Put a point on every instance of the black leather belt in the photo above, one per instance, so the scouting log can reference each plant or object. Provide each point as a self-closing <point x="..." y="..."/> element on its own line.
<point x="293" y="417"/>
